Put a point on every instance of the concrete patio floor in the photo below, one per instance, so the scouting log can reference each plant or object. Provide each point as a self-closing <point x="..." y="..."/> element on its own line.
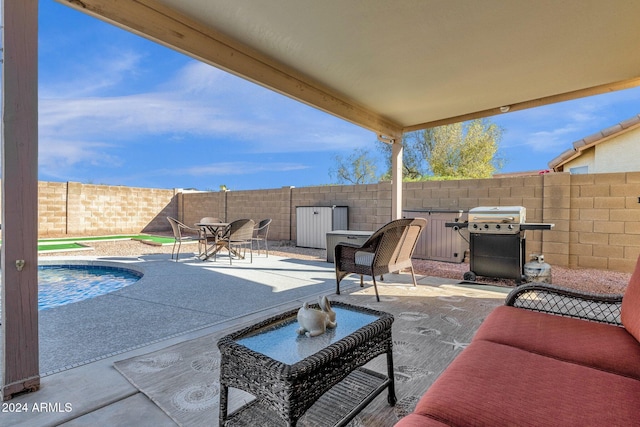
<point x="172" y="303"/>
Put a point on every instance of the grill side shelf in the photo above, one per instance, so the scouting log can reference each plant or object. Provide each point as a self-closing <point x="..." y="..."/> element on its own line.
<point x="536" y="226"/>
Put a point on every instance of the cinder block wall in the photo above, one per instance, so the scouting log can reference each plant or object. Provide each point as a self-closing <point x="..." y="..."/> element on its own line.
<point x="83" y="209"/>
<point x="232" y="205"/>
<point x="604" y="221"/>
<point x="52" y="208"/>
<point x="261" y="204"/>
<point x="192" y="207"/>
<point x="596" y="217"/>
<point x="467" y="194"/>
<point x="369" y="206"/>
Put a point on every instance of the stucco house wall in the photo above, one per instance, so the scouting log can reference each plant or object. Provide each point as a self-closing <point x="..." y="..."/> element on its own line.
<point x="586" y="160"/>
<point x="619" y="154"/>
<point x="611" y="150"/>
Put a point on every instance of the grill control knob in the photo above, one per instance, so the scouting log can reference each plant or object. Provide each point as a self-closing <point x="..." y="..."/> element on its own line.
<point x="497" y="226"/>
<point x="475" y="225"/>
<point x="486" y="226"/>
<point x="510" y="226"/>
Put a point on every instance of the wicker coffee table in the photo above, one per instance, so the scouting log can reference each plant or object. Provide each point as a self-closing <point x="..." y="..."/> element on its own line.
<point x="318" y="378"/>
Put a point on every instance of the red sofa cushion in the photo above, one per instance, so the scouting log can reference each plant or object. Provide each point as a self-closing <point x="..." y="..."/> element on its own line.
<point x="606" y="347"/>
<point x="491" y="384"/>
<point x="631" y="304"/>
<point x="419" y="420"/>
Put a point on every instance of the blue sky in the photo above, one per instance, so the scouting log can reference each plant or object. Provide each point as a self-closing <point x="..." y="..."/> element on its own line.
<point x="117" y="109"/>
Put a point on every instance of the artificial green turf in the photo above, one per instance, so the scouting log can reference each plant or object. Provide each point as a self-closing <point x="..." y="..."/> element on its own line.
<point x="70" y="243"/>
<point x="119" y="237"/>
<point x="157" y="239"/>
<point x="61" y="247"/>
<point x="93" y="238"/>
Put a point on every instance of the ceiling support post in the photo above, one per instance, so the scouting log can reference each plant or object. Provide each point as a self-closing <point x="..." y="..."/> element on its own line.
<point x="19" y="259"/>
<point x="396" y="178"/>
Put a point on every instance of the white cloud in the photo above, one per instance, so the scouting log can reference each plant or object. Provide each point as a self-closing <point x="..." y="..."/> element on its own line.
<point x="129" y="117"/>
<point x="270" y="122"/>
<point x="553" y="128"/>
<point x="197" y="77"/>
<point x="550" y="140"/>
<point x="225" y="169"/>
<point x="56" y="157"/>
<point x="95" y="75"/>
<point x="204" y="101"/>
<point x="239" y="168"/>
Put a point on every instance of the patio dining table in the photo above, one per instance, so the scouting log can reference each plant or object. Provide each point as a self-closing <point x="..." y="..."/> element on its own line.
<point x="211" y="231"/>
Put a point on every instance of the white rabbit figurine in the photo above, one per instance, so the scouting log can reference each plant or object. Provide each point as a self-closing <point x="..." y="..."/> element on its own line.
<point x="323" y="302"/>
<point x="314" y="322"/>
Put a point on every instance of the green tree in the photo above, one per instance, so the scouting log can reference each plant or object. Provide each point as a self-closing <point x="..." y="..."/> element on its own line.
<point x="358" y="168"/>
<point x="413" y="165"/>
<point x="460" y="150"/>
<point x="463" y="150"/>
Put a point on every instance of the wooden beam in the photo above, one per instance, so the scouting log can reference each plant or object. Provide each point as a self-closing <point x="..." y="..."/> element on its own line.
<point x="567" y="96"/>
<point x="153" y="20"/>
<point x="20" y="355"/>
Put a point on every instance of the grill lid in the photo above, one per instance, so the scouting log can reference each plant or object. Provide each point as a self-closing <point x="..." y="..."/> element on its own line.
<point x="498" y="214"/>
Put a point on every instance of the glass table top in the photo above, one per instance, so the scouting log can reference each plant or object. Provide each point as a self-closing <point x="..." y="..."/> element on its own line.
<point x="282" y="342"/>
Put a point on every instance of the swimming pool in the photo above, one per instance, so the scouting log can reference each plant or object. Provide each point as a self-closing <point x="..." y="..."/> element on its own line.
<point x="61" y="284"/>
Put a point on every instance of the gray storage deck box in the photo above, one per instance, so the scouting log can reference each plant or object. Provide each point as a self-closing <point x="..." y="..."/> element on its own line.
<point x="438" y="242"/>
<point x="313" y="223"/>
<point x="344" y="236"/>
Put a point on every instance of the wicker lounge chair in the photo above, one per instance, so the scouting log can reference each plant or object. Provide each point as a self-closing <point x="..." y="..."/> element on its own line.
<point x="260" y="235"/>
<point x="388" y="249"/>
<point x="237" y="234"/>
<point x="179" y="230"/>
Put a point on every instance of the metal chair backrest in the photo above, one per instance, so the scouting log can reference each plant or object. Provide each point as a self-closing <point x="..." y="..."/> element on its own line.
<point x="176" y="226"/>
<point x="210" y="220"/>
<point x="240" y="230"/>
<point x="262" y="229"/>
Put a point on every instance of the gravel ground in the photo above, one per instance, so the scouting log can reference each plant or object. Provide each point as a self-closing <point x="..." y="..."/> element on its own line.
<point x="586" y="280"/>
<point x="589" y="280"/>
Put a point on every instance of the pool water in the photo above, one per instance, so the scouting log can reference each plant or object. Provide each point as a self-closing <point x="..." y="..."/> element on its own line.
<point x="64" y="284"/>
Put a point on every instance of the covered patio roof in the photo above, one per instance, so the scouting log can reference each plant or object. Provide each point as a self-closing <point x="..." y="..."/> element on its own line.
<point x="397" y="66"/>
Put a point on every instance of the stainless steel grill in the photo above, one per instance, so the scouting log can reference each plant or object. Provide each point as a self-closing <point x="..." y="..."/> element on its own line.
<point x="497" y="219"/>
<point x="497" y="241"/>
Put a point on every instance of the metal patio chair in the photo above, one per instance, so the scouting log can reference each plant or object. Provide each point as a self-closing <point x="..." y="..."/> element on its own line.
<point x="237" y="235"/>
<point x="388" y="249"/>
<point x="179" y="230"/>
<point x="260" y="234"/>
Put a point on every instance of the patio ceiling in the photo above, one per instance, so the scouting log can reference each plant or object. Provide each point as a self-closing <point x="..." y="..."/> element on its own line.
<point x="397" y="66"/>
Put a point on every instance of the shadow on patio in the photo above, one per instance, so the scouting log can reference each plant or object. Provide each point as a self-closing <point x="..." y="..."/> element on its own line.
<point x="188" y="305"/>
